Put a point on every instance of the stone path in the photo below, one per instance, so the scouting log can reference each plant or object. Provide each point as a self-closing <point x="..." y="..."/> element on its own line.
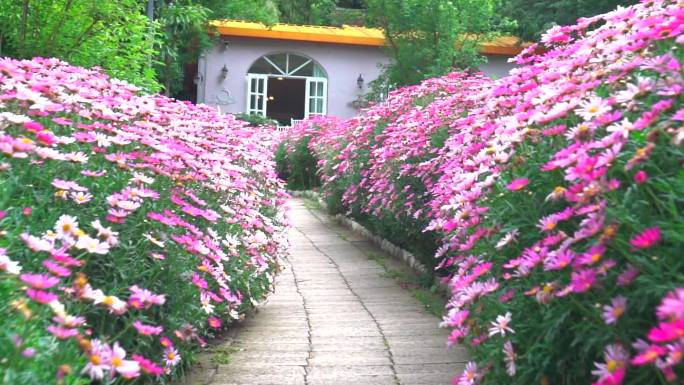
<point x="335" y="320"/>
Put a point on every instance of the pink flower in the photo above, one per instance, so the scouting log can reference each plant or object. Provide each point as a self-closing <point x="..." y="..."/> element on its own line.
<point x="171" y="357"/>
<point x="648" y="355"/>
<point x="667" y="331"/>
<point x="672" y="306"/>
<point x="33" y="126"/>
<point x="61" y="332"/>
<point x="147" y="330"/>
<point x="40" y="296"/>
<point x="612" y="371"/>
<point x="166" y="342"/>
<point x="582" y="280"/>
<point x="126" y="368"/>
<point x="27" y="211"/>
<point x="99" y="360"/>
<point x="615" y="310"/>
<point x="627" y="276"/>
<point x="518" y="184"/>
<point x="214" y="322"/>
<point x="470" y="375"/>
<point x="646" y="239"/>
<point x="144" y="299"/>
<point x="148" y="366"/>
<point x="640" y="177"/>
<point x="40" y="281"/>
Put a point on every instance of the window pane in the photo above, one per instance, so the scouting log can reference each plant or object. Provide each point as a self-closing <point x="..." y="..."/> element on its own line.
<point x="262" y="67"/>
<point x="252" y="102"/>
<point x="319" y="106"/>
<point x="279" y="60"/>
<point x="320" y="89"/>
<point x="312" y="89"/>
<point x="296" y="61"/>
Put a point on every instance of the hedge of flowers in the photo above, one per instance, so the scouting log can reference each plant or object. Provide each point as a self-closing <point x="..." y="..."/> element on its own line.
<point x="554" y="195"/>
<point x="131" y="226"/>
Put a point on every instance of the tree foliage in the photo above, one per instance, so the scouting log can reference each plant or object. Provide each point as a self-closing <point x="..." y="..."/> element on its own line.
<point x="422" y="35"/>
<point x="533" y="17"/>
<point x="315" y="12"/>
<point x="114" y="35"/>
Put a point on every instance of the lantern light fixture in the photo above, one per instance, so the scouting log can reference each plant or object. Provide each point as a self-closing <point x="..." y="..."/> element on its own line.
<point x="224" y="72"/>
<point x="359" y="81"/>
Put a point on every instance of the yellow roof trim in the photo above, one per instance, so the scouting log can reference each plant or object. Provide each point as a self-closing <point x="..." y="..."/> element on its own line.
<point x="505" y="45"/>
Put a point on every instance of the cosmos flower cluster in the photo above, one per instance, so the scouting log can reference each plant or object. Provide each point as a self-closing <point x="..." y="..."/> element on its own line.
<point x="555" y="193"/>
<point x="131" y="225"/>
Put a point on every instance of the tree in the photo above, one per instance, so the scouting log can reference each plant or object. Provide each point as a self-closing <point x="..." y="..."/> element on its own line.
<point x="265" y="11"/>
<point x="533" y="17"/>
<point x="111" y="34"/>
<point x="428" y="38"/>
<point x="315" y="12"/>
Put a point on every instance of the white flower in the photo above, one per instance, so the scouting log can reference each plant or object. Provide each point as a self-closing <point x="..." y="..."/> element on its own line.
<point x="8" y="265"/>
<point x="66" y="226"/>
<point x="81" y="197"/>
<point x="77" y="157"/>
<point x="595" y="106"/>
<point x="501" y="325"/>
<point x="508" y="238"/>
<point x="141" y="178"/>
<point x="92" y="245"/>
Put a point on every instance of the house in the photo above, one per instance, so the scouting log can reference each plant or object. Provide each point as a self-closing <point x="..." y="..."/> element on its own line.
<point x="290" y="72"/>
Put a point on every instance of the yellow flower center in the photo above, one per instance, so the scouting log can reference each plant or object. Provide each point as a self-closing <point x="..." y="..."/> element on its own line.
<point x="116" y="361"/>
<point x="611" y="365"/>
<point x="95" y="359"/>
<point x="170" y="356"/>
<point x="618" y="311"/>
<point x="595" y="257"/>
<point x="108" y="300"/>
<point x="550" y="226"/>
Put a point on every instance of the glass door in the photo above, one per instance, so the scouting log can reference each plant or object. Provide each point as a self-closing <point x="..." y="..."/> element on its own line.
<point x="257" y="89"/>
<point x="316" y="101"/>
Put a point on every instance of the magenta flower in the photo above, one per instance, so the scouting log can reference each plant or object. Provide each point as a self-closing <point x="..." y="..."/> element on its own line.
<point x="640" y="177"/>
<point x="62" y="333"/>
<point x="147" y="330"/>
<point x="582" y="280"/>
<point x="518" y="184"/>
<point x="648" y="355"/>
<point x="214" y="322"/>
<point x="40" y="296"/>
<point x="148" y="366"/>
<point x="612" y="312"/>
<point x="667" y="331"/>
<point x="40" y="281"/>
<point x="646" y="239"/>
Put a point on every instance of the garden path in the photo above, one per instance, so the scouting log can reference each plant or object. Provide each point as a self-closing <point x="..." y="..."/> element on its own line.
<point x="335" y="320"/>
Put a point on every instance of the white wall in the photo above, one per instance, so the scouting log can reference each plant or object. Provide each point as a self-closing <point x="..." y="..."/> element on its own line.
<point x="343" y="64"/>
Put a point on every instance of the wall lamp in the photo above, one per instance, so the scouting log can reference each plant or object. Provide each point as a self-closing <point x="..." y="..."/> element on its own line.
<point x="224" y="72"/>
<point x="359" y="81"/>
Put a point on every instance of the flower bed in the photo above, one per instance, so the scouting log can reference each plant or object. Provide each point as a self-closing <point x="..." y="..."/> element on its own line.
<point x="133" y="226"/>
<point x="552" y="197"/>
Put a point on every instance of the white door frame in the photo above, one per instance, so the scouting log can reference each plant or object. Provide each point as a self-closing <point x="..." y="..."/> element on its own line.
<point x="321" y="94"/>
<point x="321" y="87"/>
<point x="256" y="107"/>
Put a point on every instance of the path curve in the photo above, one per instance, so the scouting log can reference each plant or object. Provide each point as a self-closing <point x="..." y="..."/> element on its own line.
<point x="335" y="320"/>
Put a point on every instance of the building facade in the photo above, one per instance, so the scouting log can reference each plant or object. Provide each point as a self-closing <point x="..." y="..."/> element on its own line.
<point x="289" y="73"/>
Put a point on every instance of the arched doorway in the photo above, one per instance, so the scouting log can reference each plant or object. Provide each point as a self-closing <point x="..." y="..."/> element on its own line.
<point x="287" y="87"/>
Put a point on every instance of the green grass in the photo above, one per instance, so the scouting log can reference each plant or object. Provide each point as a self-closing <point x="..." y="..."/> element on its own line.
<point x="222" y="354"/>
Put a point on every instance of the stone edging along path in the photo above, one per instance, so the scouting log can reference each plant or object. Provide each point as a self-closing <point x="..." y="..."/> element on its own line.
<point x="334" y="319"/>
